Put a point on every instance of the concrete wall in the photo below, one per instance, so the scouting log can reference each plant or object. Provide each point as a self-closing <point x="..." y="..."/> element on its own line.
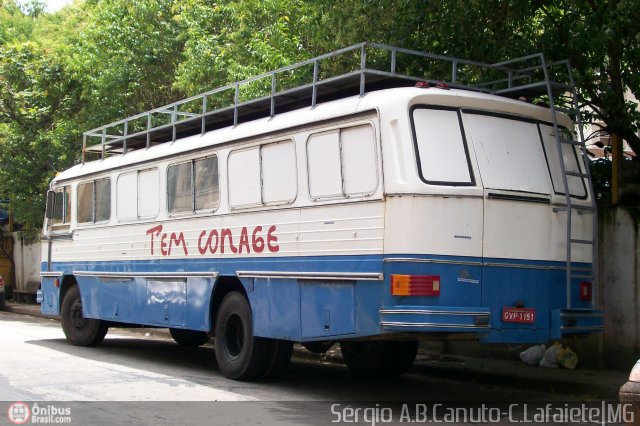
<point x="27" y="259"/>
<point x="619" y="257"/>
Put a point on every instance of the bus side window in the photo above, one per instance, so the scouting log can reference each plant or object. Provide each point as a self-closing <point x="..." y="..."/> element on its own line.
<point x="342" y="163"/>
<point x="137" y="195"/>
<point x="61" y="208"/>
<point x="263" y="175"/>
<point x="94" y="201"/>
<point x="207" y="186"/>
<point x="192" y="186"/>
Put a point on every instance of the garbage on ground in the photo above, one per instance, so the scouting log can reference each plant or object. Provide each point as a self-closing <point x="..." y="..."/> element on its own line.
<point x="533" y="355"/>
<point x="552" y="357"/>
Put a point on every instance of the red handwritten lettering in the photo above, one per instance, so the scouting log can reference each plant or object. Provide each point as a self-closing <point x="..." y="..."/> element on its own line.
<point x="154" y="231"/>
<point x="272" y="239"/>
<point x="244" y="241"/>
<point x="227" y="233"/>
<point x="164" y="247"/>
<point x="256" y="241"/>
<point x="202" y="249"/>
<point x="178" y="240"/>
<point x="212" y="240"/>
<point x="213" y="247"/>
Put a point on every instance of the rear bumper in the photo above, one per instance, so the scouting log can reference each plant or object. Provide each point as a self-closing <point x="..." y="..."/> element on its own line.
<point x="437" y="319"/>
<point x="566" y="322"/>
<point x="434" y="319"/>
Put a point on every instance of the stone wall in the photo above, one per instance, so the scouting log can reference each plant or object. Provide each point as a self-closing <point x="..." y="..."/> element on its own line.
<point x="619" y="251"/>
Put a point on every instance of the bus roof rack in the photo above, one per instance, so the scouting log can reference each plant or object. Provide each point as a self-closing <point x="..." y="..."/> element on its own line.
<point x="354" y="70"/>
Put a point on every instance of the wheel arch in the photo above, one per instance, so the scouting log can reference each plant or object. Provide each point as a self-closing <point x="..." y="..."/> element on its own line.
<point x="223" y="286"/>
<point x="67" y="281"/>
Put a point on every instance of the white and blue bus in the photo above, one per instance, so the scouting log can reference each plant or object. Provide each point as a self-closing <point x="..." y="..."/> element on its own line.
<point x="370" y="209"/>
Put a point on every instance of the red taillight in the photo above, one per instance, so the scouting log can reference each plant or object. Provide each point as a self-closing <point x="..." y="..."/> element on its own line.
<point x="422" y="84"/>
<point x="1" y="281"/>
<point x="415" y="285"/>
<point x="586" y="291"/>
<point x="56" y="283"/>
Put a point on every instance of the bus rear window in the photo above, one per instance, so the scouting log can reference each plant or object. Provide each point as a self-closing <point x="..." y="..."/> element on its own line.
<point x="509" y="153"/>
<point x="441" y="148"/>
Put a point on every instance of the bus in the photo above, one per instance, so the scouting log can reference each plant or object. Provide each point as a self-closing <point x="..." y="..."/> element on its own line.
<point x="372" y="208"/>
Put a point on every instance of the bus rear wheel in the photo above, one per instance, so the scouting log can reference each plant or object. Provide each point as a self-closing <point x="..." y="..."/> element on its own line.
<point x="379" y="358"/>
<point x="80" y="331"/>
<point x="240" y="355"/>
<point x="189" y="338"/>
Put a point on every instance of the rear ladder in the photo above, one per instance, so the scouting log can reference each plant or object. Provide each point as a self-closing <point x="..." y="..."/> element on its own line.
<point x="567" y="103"/>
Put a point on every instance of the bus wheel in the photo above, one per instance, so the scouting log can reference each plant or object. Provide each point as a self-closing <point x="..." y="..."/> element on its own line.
<point x="379" y="358"/>
<point x="240" y="355"/>
<point x="189" y="338"/>
<point x="278" y="361"/>
<point x="80" y="331"/>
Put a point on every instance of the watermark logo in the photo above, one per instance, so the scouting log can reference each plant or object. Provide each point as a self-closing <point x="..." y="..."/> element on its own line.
<point x="19" y="413"/>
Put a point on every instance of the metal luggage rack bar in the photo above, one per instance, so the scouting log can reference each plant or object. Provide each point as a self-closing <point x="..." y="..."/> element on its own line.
<point x="373" y="67"/>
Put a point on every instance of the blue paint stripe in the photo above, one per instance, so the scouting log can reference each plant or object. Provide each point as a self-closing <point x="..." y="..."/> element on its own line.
<point x="229" y="266"/>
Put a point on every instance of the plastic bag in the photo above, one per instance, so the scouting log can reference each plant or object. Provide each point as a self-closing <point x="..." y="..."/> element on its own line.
<point x="567" y="358"/>
<point x="551" y="356"/>
<point x="533" y="355"/>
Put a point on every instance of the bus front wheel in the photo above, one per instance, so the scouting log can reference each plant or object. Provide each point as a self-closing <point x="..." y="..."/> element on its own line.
<point x="189" y="338"/>
<point x="379" y="358"/>
<point x="240" y="355"/>
<point x="80" y="331"/>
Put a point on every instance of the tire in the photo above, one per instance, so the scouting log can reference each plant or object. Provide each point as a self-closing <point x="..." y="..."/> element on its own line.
<point x="80" y="331"/>
<point x="278" y="360"/>
<point x="240" y="355"/>
<point x="378" y="358"/>
<point x="189" y="338"/>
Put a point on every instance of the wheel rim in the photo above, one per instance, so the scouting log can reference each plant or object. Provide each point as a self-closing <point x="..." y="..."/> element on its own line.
<point x="78" y="322"/>
<point x="234" y="336"/>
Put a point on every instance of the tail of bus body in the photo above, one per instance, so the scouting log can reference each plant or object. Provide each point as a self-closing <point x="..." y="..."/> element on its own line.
<point x="519" y="216"/>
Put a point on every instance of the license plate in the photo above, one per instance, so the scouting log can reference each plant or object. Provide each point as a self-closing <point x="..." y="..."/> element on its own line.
<point x="520" y="315"/>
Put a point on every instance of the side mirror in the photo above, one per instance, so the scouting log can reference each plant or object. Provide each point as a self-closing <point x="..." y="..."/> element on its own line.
<point x="51" y="199"/>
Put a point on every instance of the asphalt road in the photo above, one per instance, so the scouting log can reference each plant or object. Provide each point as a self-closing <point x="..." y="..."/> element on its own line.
<point x="145" y="378"/>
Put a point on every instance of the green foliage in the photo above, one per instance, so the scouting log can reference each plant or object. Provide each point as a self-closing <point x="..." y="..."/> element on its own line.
<point x="98" y="61"/>
<point x="229" y="41"/>
<point x="125" y="55"/>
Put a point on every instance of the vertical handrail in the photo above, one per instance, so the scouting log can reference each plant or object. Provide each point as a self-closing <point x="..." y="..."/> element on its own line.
<point x="104" y="139"/>
<point x="363" y="66"/>
<point x="204" y="115"/>
<point x="124" y="141"/>
<point x="272" y="112"/>
<point x="314" y="86"/>
<point x="454" y="71"/>
<point x="148" y="130"/>
<point x="236" y="100"/>
<point x="84" y="148"/>
<point x="174" y="118"/>
<point x="394" y="54"/>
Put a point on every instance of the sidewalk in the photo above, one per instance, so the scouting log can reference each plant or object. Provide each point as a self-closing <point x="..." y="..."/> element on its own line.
<point x="587" y="384"/>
